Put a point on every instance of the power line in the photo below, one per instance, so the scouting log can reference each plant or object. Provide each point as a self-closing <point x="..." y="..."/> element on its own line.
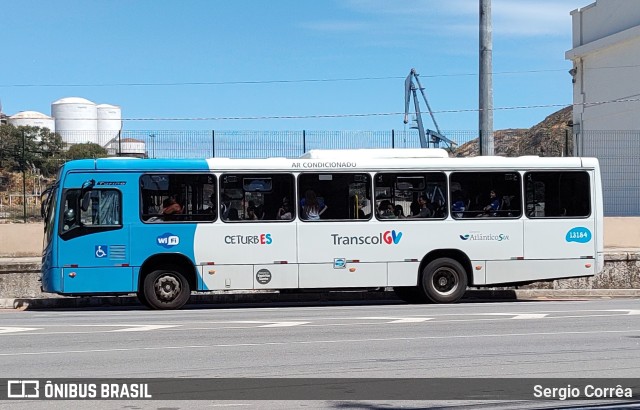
<point x="379" y="114"/>
<point x="249" y="82"/>
<point x="203" y="82"/>
<point x="356" y="115"/>
<point x="307" y="80"/>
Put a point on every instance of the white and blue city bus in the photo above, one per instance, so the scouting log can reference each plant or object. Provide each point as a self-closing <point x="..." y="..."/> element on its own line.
<point x="416" y="220"/>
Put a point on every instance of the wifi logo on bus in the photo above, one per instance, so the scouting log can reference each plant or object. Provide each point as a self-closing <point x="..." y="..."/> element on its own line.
<point x="168" y="240"/>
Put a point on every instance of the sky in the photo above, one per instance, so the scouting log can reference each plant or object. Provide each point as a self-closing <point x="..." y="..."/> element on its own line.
<point x="285" y="64"/>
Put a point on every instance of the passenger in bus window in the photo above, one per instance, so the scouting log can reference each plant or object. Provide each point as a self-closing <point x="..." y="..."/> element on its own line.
<point x="284" y="212"/>
<point x="257" y="210"/>
<point x="424" y="212"/>
<point x="212" y="209"/>
<point x="312" y="207"/>
<point x="385" y="210"/>
<point x="398" y="211"/>
<point x="357" y="205"/>
<point x="69" y="219"/>
<point x="493" y="206"/>
<point x="229" y="213"/>
<point x="414" y="208"/>
<point x="251" y="213"/>
<point x="361" y="205"/>
<point x="170" y="206"/>
<point x="458" y="207"/>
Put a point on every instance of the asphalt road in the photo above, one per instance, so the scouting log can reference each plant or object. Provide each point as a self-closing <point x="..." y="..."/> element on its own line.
<point x="580" y="338"/>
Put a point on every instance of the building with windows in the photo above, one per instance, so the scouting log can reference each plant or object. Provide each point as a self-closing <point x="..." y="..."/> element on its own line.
<point x="606" y="97"/>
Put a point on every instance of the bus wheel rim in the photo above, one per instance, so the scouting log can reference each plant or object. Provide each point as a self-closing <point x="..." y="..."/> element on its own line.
<point x="445" y="281"/>
<point x="167" y="287"/>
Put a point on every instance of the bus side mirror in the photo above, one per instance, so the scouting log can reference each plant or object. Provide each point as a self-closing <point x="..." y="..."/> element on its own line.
<point x="86" y="187"/>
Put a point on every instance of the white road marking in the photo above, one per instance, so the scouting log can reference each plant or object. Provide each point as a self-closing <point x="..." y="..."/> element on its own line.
<point x="129" y="327"/>
<point x="312" y="342"/>
<point x="144" y="328"/>
<point x="37" y="330"/>
<point x="284" y="324"/>
<point x="266" y="323"/>
<point x="530" y="316"/>
<point x="397" y="319"/>
<point x="4" y="330"/>
<point x="350" y="321"/>
<point x="521" y="315"/>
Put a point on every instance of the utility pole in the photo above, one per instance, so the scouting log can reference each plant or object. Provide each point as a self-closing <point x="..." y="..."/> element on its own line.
<point x="23" y="165"/>
<point x="486" y="81"/>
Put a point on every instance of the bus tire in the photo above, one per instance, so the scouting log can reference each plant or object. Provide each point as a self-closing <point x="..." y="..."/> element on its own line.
<point x="166" y="289"/>
<point x="444" y="280"/>
<point x="410" y="294"/>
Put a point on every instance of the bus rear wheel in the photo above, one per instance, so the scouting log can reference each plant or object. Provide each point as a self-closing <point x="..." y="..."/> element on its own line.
<point x="166" y="289"/>
<point x="444" y="280"/>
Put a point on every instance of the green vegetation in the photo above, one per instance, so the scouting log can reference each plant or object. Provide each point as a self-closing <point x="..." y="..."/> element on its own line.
<point x="87" y="150"/>
<point x="26" y="148"/>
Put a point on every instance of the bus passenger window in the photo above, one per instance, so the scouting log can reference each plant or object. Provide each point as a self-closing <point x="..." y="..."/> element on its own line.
<point x="334" y="196"/>
<point x="416" y="196"/>
<point x="558" y="194"/>
<point x="255" y="197"/>
<point x="485" y="195"/>
<point x="178" y="198"/>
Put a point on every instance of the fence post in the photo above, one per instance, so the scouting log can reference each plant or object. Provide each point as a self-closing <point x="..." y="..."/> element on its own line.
<point x="213" y="143"/>
<point x="119" y="143"/>
<point x="393" y="138"/>
<point x="304" y="141"/>
<point x="24" y="179"/>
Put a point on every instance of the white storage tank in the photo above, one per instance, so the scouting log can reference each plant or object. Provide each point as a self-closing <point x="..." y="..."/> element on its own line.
<point x="32" y="119"/>
<point x="109" y="123"/>
<point x="76" y="120"/>
<point x="129" y="147"/>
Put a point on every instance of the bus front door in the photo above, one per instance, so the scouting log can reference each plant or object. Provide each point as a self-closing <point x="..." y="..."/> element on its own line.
<point x="94" y="243"/>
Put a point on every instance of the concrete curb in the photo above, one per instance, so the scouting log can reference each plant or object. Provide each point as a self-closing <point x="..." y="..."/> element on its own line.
<point x="224" y="299"/>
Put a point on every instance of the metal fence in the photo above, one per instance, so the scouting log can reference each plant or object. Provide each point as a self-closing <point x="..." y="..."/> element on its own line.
<point x="619" y="156"/>
<point x="618" y="153"/>
<point x="261" y="144"/>
<point x="292" y="144"/>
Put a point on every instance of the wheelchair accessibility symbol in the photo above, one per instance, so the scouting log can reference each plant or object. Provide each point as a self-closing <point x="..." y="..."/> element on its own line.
<point x="102" y="251"/>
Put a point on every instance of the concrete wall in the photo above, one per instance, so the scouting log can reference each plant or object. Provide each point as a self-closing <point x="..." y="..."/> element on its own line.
<point x="21" y="239"/>
<point x="622" y="232"/>
<point x="18" y="240"/>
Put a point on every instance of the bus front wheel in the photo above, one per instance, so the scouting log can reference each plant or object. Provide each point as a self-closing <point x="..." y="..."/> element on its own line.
<point x="444" y="280"/>
<point x="166" y="289"/>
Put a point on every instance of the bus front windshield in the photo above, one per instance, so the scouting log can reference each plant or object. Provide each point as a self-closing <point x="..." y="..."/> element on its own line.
<point x="48" y="202"/>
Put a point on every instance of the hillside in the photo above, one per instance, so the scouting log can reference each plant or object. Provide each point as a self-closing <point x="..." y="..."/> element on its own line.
<point x="546" y="138"/>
